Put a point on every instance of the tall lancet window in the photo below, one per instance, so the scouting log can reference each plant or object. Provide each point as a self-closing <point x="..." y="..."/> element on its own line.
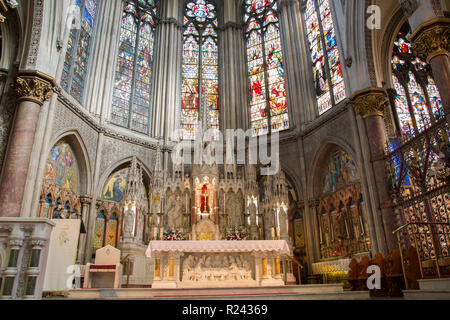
<point x="267" y="83"/>
<point x="131" y="104"/>
<point x="328" y="79"/>
<point x="418" y="102"/>
<point x="200" y="68"/>
<point x="78" y="50"/>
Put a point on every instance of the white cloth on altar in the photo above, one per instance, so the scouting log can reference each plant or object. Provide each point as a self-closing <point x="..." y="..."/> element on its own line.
<point x="279" y="246"/>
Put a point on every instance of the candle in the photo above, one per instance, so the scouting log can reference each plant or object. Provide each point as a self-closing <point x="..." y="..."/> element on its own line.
<point x="161" y="233"/>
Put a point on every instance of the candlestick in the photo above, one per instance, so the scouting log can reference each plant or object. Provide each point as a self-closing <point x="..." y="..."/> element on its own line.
<point x="155" y="233"/>
<point x="161" y="233"/>
<point x="273" y="233"/>
<point x="278" y="233"/>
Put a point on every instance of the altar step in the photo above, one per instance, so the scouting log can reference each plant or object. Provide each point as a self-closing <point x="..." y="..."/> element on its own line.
<point x="430" y="289"/>
<point x="306" y="292"/>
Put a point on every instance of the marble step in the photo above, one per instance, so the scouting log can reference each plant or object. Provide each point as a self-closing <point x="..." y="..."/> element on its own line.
<point x="426" y="295"/>
<point x="435" y="284"/>
<point x="236" y="293"/>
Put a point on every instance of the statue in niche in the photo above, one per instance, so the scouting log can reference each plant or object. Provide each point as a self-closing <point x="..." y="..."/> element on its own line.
<point x="283" y="222"/>
<point x="140" y="227"/>
<point x="230" y="209"/>
<point x="174" y="212"/>
<point x="237" y="211"/>
<point x="252" y="211"/>
<point x="128" y="223"/>
<point x="268" y="223"/>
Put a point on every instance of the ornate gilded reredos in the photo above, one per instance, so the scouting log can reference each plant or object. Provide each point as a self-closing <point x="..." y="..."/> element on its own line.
<point x="370" y="102"/>
<point x="431" y="39"/>
<point x="33" y="88"/>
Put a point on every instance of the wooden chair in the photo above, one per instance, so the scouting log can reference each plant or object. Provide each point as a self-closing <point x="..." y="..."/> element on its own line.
<point x="354" y="274"/>
<point x="381" y="263"/>
<point x="363" y="276"/>
<point x="412" y="268"/>
<point x="394" y="274"/>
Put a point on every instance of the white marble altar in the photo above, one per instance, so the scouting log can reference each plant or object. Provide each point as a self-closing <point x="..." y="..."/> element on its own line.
<point x="217" y="264"/>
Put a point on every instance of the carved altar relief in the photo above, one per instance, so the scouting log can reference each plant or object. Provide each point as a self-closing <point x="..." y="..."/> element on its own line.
<point x="217" y="268"/>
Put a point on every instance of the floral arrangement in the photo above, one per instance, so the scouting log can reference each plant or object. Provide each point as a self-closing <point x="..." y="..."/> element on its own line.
<point x="236" y="234"/>
<point x="173" y="235"/>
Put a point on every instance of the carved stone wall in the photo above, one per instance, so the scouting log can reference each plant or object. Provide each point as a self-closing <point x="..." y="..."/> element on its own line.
<point x="114" y="150"/>
<point x="66" y="119"/>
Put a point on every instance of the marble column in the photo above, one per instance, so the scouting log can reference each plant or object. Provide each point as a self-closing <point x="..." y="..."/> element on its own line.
<point x="370" y="104"/>
<point x="32" y="91"/>
<point x="234" y="113"/>
<point x="167" y="81"/>
<point x="81" y="255"/>
<point x="431" y="43"/>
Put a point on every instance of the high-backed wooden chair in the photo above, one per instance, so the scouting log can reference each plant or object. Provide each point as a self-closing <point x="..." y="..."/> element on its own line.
<point x="379" y="261"/>
<point x="394" y="274"/>
<point x="106" y="272"/>
<point x="363" y="276"/>
<point x="412" y="268"/>
<point x="353" y="277"/>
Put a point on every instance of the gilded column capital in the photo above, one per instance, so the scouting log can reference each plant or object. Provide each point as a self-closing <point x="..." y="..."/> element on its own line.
<point x="431" y="39"/>
<point x="370" y="102"/>
<point x="34" y="88"/>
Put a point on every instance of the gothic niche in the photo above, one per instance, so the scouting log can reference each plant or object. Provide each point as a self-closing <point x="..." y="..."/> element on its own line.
<point x="343" y="228"/>
<point x="59" y="195"/>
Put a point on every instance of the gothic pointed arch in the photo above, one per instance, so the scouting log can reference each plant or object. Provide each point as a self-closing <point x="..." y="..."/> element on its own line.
<point x="66" y="179"/>
<point x="340" y="209"/>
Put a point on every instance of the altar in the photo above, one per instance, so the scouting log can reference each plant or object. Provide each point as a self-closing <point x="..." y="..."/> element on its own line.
<point x="217" y="264"/>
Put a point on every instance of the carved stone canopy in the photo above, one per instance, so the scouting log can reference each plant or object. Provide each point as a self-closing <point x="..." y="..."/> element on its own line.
<point x="409" y="7"/>
<point x="34" y="88"/>
<point x="431" y="39"/>
<point x="370" y="102"/>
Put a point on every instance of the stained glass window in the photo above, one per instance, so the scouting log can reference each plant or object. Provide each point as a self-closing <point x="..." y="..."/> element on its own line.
<point x="99" y="231"/>
<point x="111" y="231"/>
<point x="131" y="104"/>
<point x="327" y="71"/>
<point x="78" y="49"/>
<point x="418" y="102"/>
<point x="266" y="77"/>
<point x="200" y="68"/>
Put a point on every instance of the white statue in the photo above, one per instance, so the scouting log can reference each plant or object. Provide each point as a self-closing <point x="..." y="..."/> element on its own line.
<point x="252" y="211"/>
<point x="175" y="216"/>
<point x="128" y="223"/>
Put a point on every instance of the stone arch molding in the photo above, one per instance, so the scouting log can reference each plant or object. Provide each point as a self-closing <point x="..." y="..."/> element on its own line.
<point x="320" y="156"/>
<point x="114" y="167"/>
<point x="76" y="143"/>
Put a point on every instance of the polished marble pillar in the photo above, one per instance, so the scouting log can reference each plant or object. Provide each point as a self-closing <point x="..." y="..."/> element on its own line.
<point x="32" y="90"/>
<point x="431" y="43"/>
<point x="370" y="104"/>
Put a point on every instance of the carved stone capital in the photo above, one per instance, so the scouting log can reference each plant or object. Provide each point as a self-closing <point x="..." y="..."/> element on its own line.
<point x="431" y="39"/>
<point x="370" y="102"/>
<point x="33" y="88"/>
<point x="86" y="200"/>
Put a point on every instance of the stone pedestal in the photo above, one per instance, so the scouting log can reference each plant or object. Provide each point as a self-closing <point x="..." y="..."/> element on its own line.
<point x="24" y="247"/>
<point x="141" y="267"/>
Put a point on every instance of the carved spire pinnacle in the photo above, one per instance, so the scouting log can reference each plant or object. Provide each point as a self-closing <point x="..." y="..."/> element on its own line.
<point x="134" y="190"/>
